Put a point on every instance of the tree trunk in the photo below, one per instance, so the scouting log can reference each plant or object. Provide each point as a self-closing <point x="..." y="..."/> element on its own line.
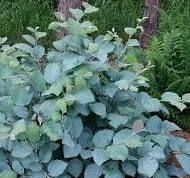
<point x="64" y="6"/>
<point x="151" y="23"/>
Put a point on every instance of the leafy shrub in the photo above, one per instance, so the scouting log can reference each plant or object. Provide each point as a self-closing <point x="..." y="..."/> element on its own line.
<point x="77" y="111"/>
<point x="170" y="53"/>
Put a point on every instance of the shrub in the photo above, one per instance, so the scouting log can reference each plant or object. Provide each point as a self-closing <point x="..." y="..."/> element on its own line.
<point x="77" y="110"/>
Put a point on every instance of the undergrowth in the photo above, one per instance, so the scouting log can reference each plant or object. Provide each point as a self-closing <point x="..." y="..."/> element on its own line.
<point x="117" y="13"/>
<point x="170" y="52"/>
<point x="16" y="15"/>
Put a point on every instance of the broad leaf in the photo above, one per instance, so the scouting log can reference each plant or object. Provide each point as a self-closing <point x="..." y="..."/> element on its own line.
<point x="45" y="153"/>
<point x="100" y="156"/>
<point x="138" y="125"/>
<point x="56" y="168"/>
<point x="147" y="166"/>
<point x="61" y="105"/>
<point x="3" y="40"/>
<point x="129" y="30"/>
<point x="129" y="168"/>
<point x="55" y="89"/>
<point x="75" y="167"/>
<point x="176" y="143"/>
<point x="70" y="152"/>
<point x="117" y="152"/>
<point x="52" y="72"/>
<point x="133" y="42"/>
<point x="33" y="132"/>
<point x="84" y="96"/>
<point x="52" y="130"/>
<point x="18" y="127"/>
<point x="103" y="138"/>
<point x="186" y="98"/>
<point x="20" y="96"/>
<point x="21" y="150"/>
<point x="157" y="153"/>
<point x="38" y="52"/>
<point x="4" y="131"/>
<point x="99" y="109"/>
<point x="127" y="137"/>
<point x="160" y="139"/>
<point x="77" y="13"/>
<point x="169" y="126"/>
<point x="74" y="126"/>
<point x="85" y="154"/>
<point x="150" y="104"/>
<point x="154" y="124"/>
<point x="173" y="99"/>
<point x="185" y="148"/>
<point x="89" y="8"/>
<point x="21" y="111"/>
<point x="184" y="161"/>
<point x="67" y="139"/>
<point x="29" y="39"/>
<point x="117" y="120"/>
<point x="111" y="170"/>
<point x="38" y="81"/>
<point x="92" y="171"/>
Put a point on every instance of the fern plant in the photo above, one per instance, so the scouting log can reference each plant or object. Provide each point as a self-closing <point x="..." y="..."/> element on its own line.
<point x="170" y="53"/>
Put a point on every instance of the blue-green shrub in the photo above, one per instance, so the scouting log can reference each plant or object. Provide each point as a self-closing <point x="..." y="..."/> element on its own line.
<point x="77" y="110"/>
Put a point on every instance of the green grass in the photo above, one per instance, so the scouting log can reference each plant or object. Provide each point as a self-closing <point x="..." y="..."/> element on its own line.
<point x="16" y="15"/>
<point x="117" y="13"/>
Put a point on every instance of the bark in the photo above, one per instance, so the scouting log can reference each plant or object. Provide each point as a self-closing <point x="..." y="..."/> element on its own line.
<point x="64" y="6"/>
<point x="151" y="23"/>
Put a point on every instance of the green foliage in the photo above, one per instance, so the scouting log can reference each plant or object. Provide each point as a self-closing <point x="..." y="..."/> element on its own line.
<point x="122" y="13"/>
<point x="117" y="13"/>
<point x="170" y="53"/>
<point x="16" y="15"/>
<point x="101" y="125"/>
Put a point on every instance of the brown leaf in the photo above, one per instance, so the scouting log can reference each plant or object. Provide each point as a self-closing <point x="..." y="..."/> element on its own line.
<point x="138" y="125"/>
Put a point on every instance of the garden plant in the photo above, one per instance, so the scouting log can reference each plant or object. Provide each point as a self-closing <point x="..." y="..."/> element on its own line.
<point x="78" y="109"/>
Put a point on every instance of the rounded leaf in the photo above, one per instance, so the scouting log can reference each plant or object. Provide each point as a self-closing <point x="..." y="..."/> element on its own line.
<point x="52" y="72"/>
<point x="75" y="167"/>
<point x="56" y="168"/>
<point x="93" y="171"/>
<point x="147" y="166"/>
<point x="103" y="138"/>
<point x="117" y="152"/>
<point x="33" y="132"/>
